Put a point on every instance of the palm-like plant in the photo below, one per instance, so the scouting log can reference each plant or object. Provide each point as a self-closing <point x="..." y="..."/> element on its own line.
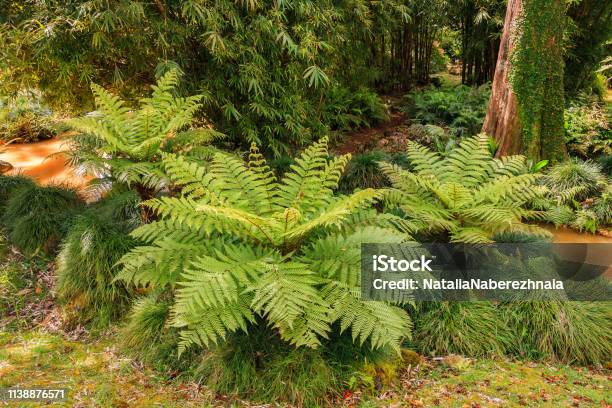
<point x="469" y="195"/>
<point x="118" y="144"/>
<point x="239" y="243"/>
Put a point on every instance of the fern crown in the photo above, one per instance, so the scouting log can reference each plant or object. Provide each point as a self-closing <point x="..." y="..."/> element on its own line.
<point x="468" y="194"/>
<point x="239" y="243"/>
<point x="123" y="144"/>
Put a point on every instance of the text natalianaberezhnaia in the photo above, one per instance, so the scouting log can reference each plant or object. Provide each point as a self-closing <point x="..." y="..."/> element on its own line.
<point x="384" y="263"/>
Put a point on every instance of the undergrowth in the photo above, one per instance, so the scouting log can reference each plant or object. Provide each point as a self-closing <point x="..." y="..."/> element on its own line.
<point x="37" y="217"/>
<point x="461" y="108"/>
<point x="86" y="264"/>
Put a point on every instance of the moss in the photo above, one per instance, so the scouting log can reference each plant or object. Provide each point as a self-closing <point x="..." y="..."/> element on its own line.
<point x="537" y="78"/>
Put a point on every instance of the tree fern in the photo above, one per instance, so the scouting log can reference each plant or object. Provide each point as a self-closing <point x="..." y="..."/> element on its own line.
<point x="469" y="195"/>
<point x="239" y="243"/>
<point x="125" y="145"/>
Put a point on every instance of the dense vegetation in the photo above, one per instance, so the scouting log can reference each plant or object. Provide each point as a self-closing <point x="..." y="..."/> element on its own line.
<point x="220" y="228"/>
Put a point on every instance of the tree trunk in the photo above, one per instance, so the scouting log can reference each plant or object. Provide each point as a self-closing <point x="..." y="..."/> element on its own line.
<point x="502" y="120"/>
<point x="525" y="112"/>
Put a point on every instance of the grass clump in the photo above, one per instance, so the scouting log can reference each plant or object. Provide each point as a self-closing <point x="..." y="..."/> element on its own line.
<point x="578" y="196"/>
<point x="575" y="180"/>
<point x="260" y="367"/>
<point x="472" y="329"/>
<point x="9" y="184"/>
<point x="86" y="267"/>
<point x="37" y="217"/>
<point x="572" y="332"/>
<point x="146" y="335"/>
<point x="363" y="172"/>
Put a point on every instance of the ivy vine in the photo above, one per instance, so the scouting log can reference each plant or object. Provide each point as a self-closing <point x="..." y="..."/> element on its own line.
<point x="536" y="77"/>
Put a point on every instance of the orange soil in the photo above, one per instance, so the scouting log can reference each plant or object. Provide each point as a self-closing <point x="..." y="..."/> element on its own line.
<point x="33" y="160"/>
<point x="564" y="235"/>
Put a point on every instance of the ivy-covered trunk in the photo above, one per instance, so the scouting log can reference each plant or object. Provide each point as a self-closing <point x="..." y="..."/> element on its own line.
<point x="525" y="113"/>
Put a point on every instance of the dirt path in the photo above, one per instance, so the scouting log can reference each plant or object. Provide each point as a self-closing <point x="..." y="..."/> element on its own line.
<point x="379" y="137"/>
<point x="367" y="138"/>
<point x="33" y="159"/>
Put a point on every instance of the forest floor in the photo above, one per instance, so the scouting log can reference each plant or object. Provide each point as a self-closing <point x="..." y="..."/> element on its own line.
<point x="36" y="351"/>
<point x="96" y="375"/>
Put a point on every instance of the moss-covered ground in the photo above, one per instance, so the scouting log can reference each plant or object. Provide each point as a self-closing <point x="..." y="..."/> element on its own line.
<point x="96" y="375"/>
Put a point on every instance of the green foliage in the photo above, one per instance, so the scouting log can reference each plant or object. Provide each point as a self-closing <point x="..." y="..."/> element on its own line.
<point x="123" y="145"/>
<point x="588" y="31"/>
<point x="146" y="336"/>
<point x="573" y="332"/>
<point x="461" y="108"/>
<point x="578" y="195"/>
<point x="588" y="132"/>
<point x="431" y="136"/>
<point x="536" y="77"/>
<point x="468" y="196"/>
<point x="346" y="109"/>
<point x="473" y="329"/>
<point x="86" y="264"/>
<point x="575" y="181"/>
<point x="9" y="184"/>
<point x="261" y="367"/>
<point x="439" y="61"/>
<point x="20" y="287"/>
<point x="239" y="244"/>
<point x="264" y="67"/>
<point x="363" y="172"/>
<point x="24" y="119"/>
<point x="37" y="217"/>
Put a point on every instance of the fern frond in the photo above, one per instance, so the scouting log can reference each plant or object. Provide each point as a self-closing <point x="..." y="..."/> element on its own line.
<point x="203" y="326"/>
<point x="304" y="184"/>
<point x="288" y="296"/>
<point x="338" y="256"/>
<point x="378" y="322"/>
<point x="424" y="161"/>
<point x="337" y="213"/>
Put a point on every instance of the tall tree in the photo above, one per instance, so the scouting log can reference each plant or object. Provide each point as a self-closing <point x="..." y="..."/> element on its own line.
<point x="525" y="113"/>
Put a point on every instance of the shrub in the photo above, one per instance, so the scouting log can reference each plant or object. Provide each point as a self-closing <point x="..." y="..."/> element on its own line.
<point x="240" y="244"/>
<point x="146" y="335"/>
<point x="431" y="136"/>
<point x="37" y="217"/>
<point x="573" y="332"/>
<point x="346" y="109"/>
<point x="471" y="329"/>
<point x="261" y="367"/>
<point x="9" y="184"/>
<point x="468" y="196"/>
<point x="25" y="120"/>
<point x="86" y="264"/>
<point x="587" y="129"/>
<point x="575" y="180"/>
<point x="461" y="108"/>
<point x="578" y="196"/>
<point x="363" y="172"/>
